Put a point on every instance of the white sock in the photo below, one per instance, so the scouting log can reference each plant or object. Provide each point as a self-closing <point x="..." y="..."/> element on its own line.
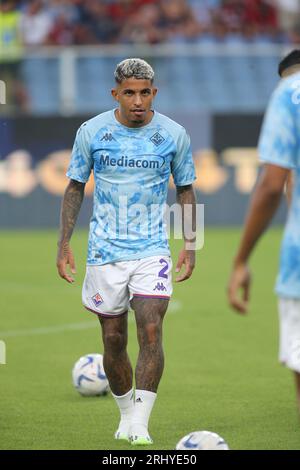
<point x="126" y="407"/>
<point x="143" y="404"/>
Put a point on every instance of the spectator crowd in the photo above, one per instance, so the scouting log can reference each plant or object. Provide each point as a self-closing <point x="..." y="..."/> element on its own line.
<point x="80" y="22"/>
<point x="30" y="24"/>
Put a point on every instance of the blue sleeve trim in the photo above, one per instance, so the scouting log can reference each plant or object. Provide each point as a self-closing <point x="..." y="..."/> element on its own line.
<point x="76" y="178"/>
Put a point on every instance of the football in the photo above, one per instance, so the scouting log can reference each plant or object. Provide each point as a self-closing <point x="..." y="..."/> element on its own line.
<point x="89" y="377"/>
<point x="202" y="440"/>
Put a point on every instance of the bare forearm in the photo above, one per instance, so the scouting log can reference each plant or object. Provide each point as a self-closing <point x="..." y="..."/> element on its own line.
<point x="187" y="200"/>
<point x="262" y="209"/>
<point x="289" y="188"/>
<point x="71" y="204"/>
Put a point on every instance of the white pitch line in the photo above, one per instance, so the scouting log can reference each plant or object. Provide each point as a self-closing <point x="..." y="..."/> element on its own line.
<point x="49" y="329"/>
<point x="174" y="306"/>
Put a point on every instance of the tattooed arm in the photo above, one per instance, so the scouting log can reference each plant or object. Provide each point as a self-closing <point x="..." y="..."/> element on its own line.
<point x="186" y="198"/>
<point x="71" y="204"/>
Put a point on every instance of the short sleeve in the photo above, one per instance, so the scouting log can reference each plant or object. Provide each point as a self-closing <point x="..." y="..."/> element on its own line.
<point x="81" y="160"/>
<point x="278" y="138"/>
<point x="182" y="166"/>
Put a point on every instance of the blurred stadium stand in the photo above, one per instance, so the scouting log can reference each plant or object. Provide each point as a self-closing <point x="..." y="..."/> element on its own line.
<point x="216" y="67"/>
<point x="215" y="78"/>
<point x="221" y="55"/>
<point x="41" y="78"/>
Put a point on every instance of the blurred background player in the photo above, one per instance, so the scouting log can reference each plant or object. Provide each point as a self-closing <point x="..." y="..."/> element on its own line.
<point x="132" y="151"/>
<point x="279" y="150"/>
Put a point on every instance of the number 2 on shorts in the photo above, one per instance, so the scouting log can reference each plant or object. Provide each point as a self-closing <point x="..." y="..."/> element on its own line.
<point x="162" y="272"/>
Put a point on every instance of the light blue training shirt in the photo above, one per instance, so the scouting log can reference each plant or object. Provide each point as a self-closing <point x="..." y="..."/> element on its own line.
<point x="131" y="167"/>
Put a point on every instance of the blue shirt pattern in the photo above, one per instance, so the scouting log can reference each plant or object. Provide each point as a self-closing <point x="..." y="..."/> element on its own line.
<point x="279" y="144"/>
<point x="131" y="167"/>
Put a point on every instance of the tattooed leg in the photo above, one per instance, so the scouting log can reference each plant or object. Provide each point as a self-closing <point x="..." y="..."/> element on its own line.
<point x="115" y="359"/>
<point x="149" y="314"/>
<point x="118" y="370"/>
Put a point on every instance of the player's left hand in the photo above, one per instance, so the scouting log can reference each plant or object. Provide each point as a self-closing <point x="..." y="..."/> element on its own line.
<point x="240" y="279"/>
<point x="187" y="258"/>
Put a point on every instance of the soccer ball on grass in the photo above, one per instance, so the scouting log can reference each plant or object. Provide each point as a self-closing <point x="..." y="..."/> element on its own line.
<point x="89" y="377"/>
<point x="202" y="440"/>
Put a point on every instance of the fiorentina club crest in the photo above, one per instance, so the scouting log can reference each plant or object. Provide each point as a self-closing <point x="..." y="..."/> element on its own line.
<point x="157" y="139"/>
<point x="97" y="299"/>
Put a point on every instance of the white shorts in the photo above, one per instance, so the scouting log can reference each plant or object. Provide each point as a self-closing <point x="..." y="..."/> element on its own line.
<point x="108" y="289"/>
<point x="289" y="319"/>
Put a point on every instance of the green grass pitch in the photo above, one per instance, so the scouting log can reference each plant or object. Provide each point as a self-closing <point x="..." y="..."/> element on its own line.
<point x="221" y="371"/>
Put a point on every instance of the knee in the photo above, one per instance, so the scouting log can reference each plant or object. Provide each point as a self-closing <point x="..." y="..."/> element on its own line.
<point x="115" y="342"/>
<point x="152" y="333"/>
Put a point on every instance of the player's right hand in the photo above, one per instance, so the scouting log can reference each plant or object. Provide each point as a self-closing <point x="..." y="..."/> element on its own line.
<point x="65" y="257"/>
<point x="240" y="279"/>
